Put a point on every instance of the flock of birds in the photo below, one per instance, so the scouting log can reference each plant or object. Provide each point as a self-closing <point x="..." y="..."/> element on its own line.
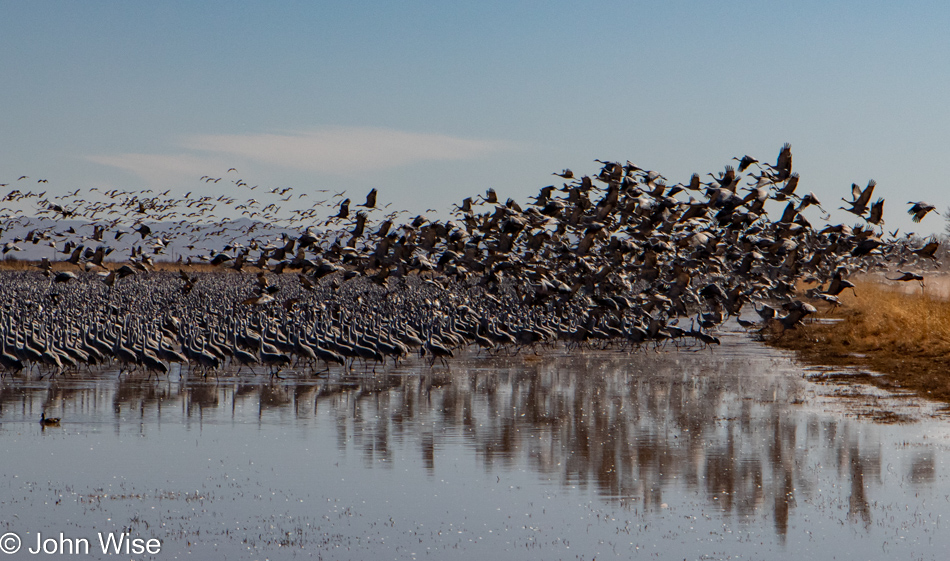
<point x="614" y="259"/>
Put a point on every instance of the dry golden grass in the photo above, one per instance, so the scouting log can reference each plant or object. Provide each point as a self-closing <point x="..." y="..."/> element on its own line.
<point x="904" y="336"/>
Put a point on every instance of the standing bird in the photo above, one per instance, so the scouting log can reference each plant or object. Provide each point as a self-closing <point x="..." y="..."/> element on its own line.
<point x="920" y="209"/>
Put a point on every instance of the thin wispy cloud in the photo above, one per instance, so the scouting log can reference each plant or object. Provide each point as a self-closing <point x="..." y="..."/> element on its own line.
<point x="339" y="151"/>
<point x="345" y="150"/>
<point x="160" y="167"/>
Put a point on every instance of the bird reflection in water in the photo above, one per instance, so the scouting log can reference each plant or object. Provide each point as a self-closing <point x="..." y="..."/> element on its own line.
<point x="635" y="429"/>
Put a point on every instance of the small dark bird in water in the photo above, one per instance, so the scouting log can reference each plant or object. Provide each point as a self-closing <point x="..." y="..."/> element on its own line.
<point x="49" y="421"/>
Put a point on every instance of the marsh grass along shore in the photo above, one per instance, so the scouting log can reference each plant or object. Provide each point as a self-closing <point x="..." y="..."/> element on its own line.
<point x="902" y="334"/>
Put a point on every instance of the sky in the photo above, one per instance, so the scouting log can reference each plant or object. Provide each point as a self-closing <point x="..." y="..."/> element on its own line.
<point x="431" y="102"/>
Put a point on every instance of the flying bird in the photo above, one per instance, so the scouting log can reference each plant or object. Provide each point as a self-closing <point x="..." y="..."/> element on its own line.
<point x="745" y="162"/>
<point x="920" y="209"/>
<point x="344" y="210"/>
<point x="370" y="199"/>
<point x="860" y="201"/>
<point x="876" y="215"/>
<point x="929" y="250"/>
<point x="908" y="276"/>
<point x="65" y="276"/>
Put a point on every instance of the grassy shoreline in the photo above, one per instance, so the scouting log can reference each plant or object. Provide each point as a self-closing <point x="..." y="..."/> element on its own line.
<point x="905" y="337"/>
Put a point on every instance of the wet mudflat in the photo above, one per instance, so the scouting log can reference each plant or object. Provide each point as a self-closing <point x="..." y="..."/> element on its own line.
<point x="681" y="454"/>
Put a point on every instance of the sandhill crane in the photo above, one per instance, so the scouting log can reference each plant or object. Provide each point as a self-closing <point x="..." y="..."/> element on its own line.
<point x="908" y="276"/>
<point x="929" y="250"/>
<point x="745" y="162"/>
<point x="744" y="323"/>
<point x="151" y="362"/>
<point x="438" y="352"/>
<point x="876" y="216"/>
<point x="64" y="277"/>
<point x="766" y="312"/>
<point x="860" y="198"/>
<point x="609" y="257"/>
<point x="839" y="284"/>
<point x="275" y="361"/>
<point x="326" y="355"/>
<point x="370" y="199"/>
<point x="167" y="354"/>
<point x="244" y="358"/>
<point x="205" y="360"/>
<point x="919" y="210"/>
<point x="7" y="360"/>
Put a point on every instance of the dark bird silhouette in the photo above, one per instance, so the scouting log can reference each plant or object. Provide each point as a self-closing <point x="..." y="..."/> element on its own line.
<point x="866" y="246"/>
<point x="908" y="276"/>
<point x="745" y="162"/>
<point x="859" y="204"/>
<point x="370" y="199"/>
<point x="64" y="277"/>
<point x="783" y="167"/>
<point x="919" y="210"/>
<point x="876" y="216"/>
<point x="839" y="284"/>
<point x="788" y="189"/>
<point x="344" y="211"/>
<point x="929" y="250"/>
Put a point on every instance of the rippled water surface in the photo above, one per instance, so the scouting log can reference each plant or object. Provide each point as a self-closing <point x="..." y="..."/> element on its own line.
<point x="677" y="454"/>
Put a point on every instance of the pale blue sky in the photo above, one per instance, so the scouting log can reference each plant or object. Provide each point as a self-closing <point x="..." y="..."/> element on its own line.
<point x="433" y="101"/>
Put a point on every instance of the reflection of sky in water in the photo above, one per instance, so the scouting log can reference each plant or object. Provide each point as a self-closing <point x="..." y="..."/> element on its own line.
<point x="690" y="454"/>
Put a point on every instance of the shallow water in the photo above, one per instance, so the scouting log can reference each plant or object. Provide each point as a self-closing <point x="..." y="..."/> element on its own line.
<point x="681" y="454"/>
